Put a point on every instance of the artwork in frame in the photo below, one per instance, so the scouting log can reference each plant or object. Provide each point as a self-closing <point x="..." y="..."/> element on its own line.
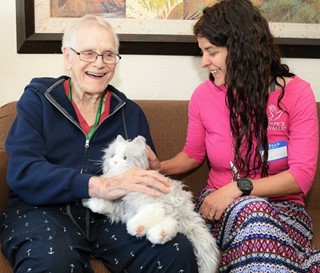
<point x="166" y="31"/>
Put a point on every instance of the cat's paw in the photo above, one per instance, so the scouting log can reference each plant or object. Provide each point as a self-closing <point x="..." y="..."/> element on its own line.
<point x="86" y="202"/>
<point x="147" y="217"/>
<point x="163" y="232"/>
<point x="135" y="228"/>
<point x="98" y="205"/>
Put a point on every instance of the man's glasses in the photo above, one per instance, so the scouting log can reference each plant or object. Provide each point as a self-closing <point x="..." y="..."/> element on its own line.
<point x="91" y="56"/>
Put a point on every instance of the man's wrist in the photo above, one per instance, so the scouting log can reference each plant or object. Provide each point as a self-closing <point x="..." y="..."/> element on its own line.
<point x="93" y="189"/>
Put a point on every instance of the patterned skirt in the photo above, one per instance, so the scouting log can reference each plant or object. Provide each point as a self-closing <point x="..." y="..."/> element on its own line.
<point x="260" y="236"/>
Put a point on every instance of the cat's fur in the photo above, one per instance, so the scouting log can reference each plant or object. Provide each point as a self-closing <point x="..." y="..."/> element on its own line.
<point x="159" y="219"/>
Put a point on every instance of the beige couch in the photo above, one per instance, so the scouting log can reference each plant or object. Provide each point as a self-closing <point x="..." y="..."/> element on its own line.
<point x="168" y="124"/>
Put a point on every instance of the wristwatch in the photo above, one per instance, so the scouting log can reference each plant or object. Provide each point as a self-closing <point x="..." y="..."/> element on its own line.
<point x="245" y="185"/>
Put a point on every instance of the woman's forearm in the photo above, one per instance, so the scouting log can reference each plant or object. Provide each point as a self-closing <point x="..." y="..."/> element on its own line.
<point x="180" y="163"/>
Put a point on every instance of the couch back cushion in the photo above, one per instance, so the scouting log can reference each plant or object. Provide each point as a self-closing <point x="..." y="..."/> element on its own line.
<point x="7" y="115"/>
<point x="4" y="190"/>
<point x="168" y="121"/>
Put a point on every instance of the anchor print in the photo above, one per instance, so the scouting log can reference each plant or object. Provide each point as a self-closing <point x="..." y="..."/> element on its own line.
<point x="72" y="268"/>
<point x="114" y="237"/>
<point x="51" y="251"/>
<point x="176" y="245"/>
<point x="28" y="252"/>
<point x="159" y="265"/>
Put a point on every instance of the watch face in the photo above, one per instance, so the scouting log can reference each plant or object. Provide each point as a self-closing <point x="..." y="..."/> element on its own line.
<point x="245" y="185"/>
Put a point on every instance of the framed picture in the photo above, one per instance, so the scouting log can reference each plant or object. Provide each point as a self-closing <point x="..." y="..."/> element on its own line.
<point x="40" y="28"/>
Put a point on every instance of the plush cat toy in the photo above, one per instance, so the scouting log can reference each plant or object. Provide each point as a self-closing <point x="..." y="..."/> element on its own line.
<point x="159" y="219"/>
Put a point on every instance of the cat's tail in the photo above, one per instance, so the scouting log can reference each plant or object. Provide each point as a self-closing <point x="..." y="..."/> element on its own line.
<point x="204" y="244"/>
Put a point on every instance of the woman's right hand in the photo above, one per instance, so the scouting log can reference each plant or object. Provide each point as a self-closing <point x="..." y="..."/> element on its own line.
<point x="154" y="162"/>
<point x="134" y="180"/>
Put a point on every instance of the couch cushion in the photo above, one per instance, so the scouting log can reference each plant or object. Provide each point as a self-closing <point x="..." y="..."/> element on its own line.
<point x="4" y="191"/>
<point x="7" y="115"/>
<point x="4" y="264"/>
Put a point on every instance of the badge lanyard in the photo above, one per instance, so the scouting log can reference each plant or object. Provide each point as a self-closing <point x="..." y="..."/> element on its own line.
<point x="98" y="114"/>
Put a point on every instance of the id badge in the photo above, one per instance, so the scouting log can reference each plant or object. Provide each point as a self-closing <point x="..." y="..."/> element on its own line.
<point x="277" y="150"/>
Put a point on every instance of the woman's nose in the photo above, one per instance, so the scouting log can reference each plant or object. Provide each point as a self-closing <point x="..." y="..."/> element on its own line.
<point x="205" y="60"/>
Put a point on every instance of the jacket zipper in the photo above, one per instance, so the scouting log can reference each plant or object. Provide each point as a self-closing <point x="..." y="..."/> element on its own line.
<point x="87" y="142"/>
<point x="70" y="118"/>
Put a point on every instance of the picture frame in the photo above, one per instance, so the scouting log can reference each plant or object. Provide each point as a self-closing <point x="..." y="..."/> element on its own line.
<point x="28" y="41"/>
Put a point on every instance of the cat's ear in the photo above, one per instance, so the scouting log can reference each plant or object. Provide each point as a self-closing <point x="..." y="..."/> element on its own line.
<point x="140" y="140"/>
<point x="120" y="138"/>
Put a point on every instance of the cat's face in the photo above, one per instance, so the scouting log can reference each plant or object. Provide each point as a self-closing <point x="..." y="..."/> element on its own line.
<point x="122" y="155"/>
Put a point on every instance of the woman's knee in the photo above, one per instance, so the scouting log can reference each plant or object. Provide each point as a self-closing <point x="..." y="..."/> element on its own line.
<point x="250" y="207"/>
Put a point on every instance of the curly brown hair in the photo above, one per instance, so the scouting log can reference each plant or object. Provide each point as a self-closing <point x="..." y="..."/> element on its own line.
<point x="253" y="62"/>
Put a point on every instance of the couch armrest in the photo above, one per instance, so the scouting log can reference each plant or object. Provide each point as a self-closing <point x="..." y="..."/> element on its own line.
<point x="4" y="190"/>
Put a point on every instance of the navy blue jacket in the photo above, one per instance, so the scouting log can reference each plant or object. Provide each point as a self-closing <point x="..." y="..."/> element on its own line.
<point x="50" y="161"/>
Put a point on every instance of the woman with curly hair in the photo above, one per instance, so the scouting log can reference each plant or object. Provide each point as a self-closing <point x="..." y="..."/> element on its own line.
<point x="257" y="124"/>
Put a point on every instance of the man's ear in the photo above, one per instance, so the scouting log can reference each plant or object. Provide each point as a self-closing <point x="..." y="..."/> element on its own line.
<point x="67" y="57"/>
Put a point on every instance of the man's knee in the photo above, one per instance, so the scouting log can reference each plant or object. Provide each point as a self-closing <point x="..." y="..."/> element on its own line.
<point x="39" y="258"/>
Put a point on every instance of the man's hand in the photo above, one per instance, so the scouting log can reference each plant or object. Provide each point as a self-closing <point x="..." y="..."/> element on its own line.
<point x="134" y="180"/>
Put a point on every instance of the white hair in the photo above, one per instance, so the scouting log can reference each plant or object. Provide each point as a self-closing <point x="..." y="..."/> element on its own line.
<point x="70" y="35"/>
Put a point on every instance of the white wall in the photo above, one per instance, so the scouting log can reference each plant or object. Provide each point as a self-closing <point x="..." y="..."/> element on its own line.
<point x="140" y="77"/>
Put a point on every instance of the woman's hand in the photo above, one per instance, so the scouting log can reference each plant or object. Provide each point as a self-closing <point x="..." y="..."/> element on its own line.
<point x="154" y="162"/>
<point x="134" y="180"/>
<point x="215" y="204"/>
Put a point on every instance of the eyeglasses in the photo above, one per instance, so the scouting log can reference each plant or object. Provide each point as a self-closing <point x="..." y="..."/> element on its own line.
<point x="91" y="56"/>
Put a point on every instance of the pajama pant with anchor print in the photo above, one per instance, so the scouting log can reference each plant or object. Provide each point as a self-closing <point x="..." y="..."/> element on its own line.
<point x="62" y="239"/>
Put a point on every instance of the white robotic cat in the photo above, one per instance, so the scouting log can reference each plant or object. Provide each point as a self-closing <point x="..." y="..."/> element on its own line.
<point x="159" y="219"/>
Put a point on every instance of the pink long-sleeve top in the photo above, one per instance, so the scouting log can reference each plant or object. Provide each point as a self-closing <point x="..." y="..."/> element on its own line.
<point x="292" y="135"/>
